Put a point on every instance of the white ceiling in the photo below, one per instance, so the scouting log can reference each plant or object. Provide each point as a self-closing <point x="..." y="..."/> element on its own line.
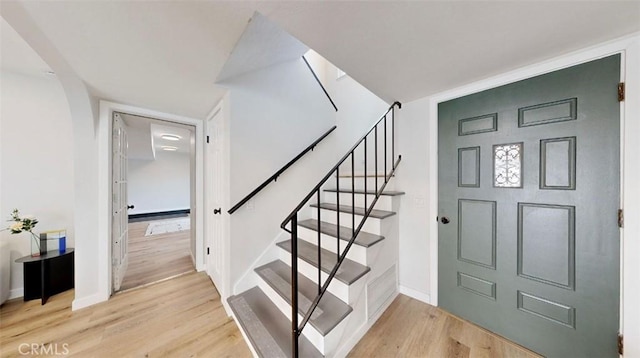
<point x="403" y="50"/>
<point x="145" y="136"/>
<point x="166" y="55"/>
<point x="16" y="55"/>
<point x="162" y="55"/>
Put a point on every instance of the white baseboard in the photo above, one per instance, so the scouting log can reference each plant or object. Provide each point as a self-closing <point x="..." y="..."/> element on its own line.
<point x="200" y="267"/>
<point x="91" y="300"/>
<point x="16" y="292"/>
<point x="226" y="307"/>
<point x="420" y="296"/>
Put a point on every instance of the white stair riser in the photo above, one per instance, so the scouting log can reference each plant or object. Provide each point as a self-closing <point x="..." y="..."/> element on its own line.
<point x="357" y="253"/>
<point x="345" y="183"/>
<point x="333" y="339"/>
<point x="336" y="287"/>
<point x="384" y="202"/>
<point x="363" y="255"/>
<point x="313" y="335"/>
<point x="372" y="225"/>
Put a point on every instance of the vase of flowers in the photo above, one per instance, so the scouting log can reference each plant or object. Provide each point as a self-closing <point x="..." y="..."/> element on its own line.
<point x="27" y="223"/>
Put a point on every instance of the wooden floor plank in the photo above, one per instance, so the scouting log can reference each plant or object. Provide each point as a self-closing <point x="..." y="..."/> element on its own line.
<point x="410" y="328"/>
<point x="183" y="317"/>
<point x="156" y="257"/>
<point x="178" y="317"/>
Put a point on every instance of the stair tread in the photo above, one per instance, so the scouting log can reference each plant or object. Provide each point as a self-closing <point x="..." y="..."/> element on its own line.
<point x="375" y="213"/>
<point x="268" y="329"/>
<point x="349" y="272"/>
<point x="330" y="311"/>
<point x="363" y="239"/>
<point x="370" y="192"/>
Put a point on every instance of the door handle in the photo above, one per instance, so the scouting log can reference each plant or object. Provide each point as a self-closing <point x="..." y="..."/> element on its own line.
<point x="130" y="206"/>
<point x="217" y="211"/>
<point x="445" y="220"/>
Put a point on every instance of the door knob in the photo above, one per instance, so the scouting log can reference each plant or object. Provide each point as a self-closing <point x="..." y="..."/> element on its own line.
<point x="445" y="220"/>
<point x="130" y="206"/>
<point x="217" y="211"/>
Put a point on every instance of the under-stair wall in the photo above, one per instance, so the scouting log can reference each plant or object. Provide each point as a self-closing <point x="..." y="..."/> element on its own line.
<point x="358" y="301"/>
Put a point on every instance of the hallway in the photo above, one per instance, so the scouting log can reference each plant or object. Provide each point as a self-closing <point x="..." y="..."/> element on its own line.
<point x="155" y="257"/>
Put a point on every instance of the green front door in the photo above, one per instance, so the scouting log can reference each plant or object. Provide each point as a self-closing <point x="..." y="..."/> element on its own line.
<point x="529" y="178"/>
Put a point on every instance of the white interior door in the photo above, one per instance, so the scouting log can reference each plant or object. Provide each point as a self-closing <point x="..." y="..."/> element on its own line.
<point x="215" y="188"/>
<point x="120" y="218"/>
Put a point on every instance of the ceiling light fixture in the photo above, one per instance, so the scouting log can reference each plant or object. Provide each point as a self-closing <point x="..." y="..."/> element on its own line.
<point x="172" y="137"/>
<point x="169" y="148"/>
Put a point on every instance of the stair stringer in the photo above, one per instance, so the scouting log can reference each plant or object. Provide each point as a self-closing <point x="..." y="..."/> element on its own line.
<point x="251" y="279"/>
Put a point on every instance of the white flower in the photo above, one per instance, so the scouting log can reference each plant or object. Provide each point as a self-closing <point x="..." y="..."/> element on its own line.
<point x="17" y="226"/>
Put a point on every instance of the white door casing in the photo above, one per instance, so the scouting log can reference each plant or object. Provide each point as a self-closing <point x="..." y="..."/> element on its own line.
<point x="120" y="218"/>
<point x="105" y="194"/>
<point x="216" y="260"/>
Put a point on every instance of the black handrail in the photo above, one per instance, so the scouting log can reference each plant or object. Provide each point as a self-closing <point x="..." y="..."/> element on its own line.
<point x="296" y="328"/>
<point x="275" y="176"/>
<point x="320" y="83"/>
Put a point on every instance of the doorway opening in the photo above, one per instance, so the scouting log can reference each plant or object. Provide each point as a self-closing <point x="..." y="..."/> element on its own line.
<point x="153" y="216"/>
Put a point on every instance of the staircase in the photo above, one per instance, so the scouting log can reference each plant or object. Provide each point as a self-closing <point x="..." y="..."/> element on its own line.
<point x="338" y="269"/>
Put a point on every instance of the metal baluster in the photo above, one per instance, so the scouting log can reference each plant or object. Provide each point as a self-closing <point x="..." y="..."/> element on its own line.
<point x="393" y="137"/>
<point x="338" y="208"/>
<point x="294" y="285"/>
<point x="365" y="172"/>
<point x="319" y="247"/>
<point x="353" y="196"/>
<point x="376" y="156"/>
<point x="385" y="148"/>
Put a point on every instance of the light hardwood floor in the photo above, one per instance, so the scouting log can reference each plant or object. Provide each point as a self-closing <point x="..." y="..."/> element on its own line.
<point x="410" y="328"/>
<point x="155" y="257"/>
<point x="181" y="317"/>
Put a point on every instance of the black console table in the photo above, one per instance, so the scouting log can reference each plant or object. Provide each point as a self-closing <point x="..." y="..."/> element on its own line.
<point x="48" y="274"/>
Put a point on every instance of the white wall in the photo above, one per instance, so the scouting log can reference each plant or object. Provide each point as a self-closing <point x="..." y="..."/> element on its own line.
<point x="413" y="179"/>
<point x="358" y="110"/>
<point x="275" y="113"/>
<point x="37" y="161"/>
<point x="83" y="108"/>
<point x="161" y="184"/>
